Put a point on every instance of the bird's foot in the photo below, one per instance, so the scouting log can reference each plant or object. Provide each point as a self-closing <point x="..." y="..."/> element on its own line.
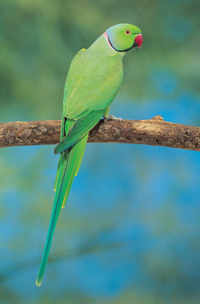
<point x="111" y="117"/>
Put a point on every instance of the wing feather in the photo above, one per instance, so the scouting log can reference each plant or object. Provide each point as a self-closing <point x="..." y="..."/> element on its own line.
<point x="80" y="128"/>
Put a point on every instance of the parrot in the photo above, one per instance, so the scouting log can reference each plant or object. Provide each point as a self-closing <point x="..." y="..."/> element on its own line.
<point x="93" y="80"/>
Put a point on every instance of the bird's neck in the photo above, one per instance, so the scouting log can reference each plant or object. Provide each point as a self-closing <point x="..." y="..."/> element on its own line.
<point x="103" y="47"/>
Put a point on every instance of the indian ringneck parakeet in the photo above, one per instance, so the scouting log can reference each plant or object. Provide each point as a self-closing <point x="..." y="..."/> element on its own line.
<point x="94" y="78"/>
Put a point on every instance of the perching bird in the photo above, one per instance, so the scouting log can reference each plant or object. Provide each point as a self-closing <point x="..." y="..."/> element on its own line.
<point x="94" y="78"/>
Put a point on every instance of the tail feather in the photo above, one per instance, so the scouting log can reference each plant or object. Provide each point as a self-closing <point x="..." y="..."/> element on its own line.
<point x="77" y="156"/>
<point x="57" y="173"/>
<point x="68" y="166"/>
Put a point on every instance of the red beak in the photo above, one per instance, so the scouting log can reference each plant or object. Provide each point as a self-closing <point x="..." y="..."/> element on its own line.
<point x="138" y="40"/>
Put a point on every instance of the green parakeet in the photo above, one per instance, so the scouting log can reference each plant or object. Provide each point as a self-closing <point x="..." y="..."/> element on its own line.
<point x="94" y="78"/>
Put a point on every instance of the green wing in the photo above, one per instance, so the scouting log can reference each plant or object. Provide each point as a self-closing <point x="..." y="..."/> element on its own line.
<point x="80" y="128"/>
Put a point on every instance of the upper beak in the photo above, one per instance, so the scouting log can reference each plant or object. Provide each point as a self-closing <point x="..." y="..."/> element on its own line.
<point x="138" y="41"/>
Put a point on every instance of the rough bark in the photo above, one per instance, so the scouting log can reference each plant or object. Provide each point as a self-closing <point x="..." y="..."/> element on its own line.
<point x="155" y="132"/>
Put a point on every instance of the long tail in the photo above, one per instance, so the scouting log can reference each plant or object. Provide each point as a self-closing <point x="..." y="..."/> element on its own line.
<point x="68" y="167"/>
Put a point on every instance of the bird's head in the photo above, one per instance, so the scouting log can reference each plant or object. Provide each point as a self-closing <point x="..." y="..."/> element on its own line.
<point x="123" y="37"/>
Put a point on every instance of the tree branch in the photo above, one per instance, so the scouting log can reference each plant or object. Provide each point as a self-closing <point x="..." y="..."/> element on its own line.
<point x="155" y="132"/>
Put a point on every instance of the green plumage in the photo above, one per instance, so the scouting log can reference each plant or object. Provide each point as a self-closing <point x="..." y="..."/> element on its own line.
<point x="94" y="78"/>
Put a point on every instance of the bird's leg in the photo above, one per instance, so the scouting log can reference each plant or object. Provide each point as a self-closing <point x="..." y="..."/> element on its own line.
<point x="108" y="116"/>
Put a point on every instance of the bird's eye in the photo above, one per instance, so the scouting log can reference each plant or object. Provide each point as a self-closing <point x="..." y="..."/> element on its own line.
<point x="127" y="32"/>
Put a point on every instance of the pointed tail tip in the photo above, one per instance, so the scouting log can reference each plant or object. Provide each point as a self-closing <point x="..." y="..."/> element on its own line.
<point x="38" y="281"/>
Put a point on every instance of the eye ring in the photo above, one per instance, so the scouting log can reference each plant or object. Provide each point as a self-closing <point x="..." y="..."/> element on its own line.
<point x="127" y="32"/>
